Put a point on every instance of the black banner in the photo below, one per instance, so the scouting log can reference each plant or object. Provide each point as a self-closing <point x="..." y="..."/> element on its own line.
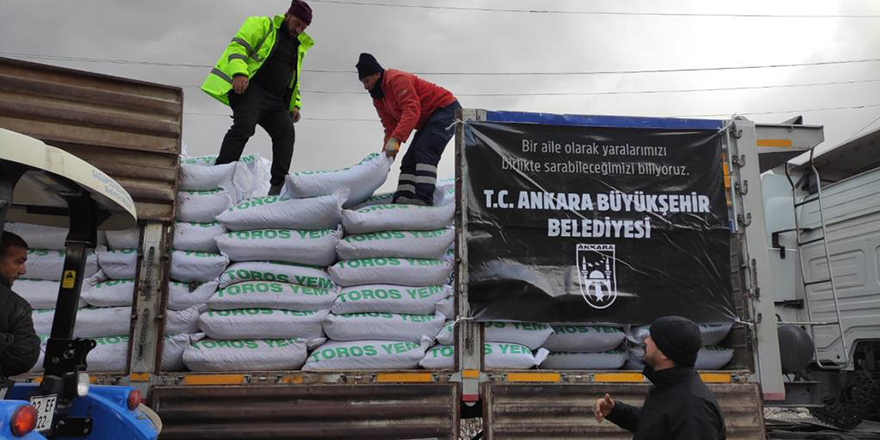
<point x="596" y="224"/>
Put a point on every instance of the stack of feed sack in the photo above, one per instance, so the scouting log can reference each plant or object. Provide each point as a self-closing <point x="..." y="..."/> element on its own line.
<point x="713" y="356"/>
<point x="585" y="347"/>
<point x="205" y="190"/>
<point x="270" y="303"/>
<point x="508" y="345"/>
<point x="111" y="293"/>
<point x="44" y="270"/>
<point x="393" y="296"/>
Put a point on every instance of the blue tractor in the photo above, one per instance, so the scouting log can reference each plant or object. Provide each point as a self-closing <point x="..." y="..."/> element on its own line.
<point x="44" y="185"/>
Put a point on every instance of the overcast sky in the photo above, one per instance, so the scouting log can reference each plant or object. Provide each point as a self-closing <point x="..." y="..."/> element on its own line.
<point x="435" y="40"/>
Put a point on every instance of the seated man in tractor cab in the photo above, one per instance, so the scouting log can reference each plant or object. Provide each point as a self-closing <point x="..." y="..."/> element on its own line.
<point x="19" y="344"/>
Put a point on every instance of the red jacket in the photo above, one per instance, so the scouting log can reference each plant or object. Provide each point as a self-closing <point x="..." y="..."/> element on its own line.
<point x="408" y="103"/>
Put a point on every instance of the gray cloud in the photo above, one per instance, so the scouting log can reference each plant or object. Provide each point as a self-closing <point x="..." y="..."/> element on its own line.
<point x="195" y="31"/>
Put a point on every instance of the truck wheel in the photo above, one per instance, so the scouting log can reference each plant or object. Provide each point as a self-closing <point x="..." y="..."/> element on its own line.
<point x="847" y="407"/>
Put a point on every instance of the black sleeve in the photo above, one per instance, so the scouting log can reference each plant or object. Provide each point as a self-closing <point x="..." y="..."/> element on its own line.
<point x="20" y="356"/>
<point x="699" y="422"/>
<point x="625" y="416"/>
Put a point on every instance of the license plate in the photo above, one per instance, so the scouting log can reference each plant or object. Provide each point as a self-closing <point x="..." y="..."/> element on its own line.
<point x="45" y="406"/>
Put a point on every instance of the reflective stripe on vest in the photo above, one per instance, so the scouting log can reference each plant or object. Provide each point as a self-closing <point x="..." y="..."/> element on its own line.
<point x="222" y="75"/>
<point x="244" y="44"/>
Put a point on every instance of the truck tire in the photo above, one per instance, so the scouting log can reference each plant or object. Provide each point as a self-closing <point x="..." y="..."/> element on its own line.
<point x="846" y="407"/>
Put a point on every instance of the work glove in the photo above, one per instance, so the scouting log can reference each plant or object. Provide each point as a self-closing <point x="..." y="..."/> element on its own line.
<point x="392" y="147"/>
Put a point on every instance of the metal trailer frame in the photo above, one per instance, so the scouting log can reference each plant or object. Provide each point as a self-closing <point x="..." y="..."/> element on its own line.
<point x="751" y="149"/>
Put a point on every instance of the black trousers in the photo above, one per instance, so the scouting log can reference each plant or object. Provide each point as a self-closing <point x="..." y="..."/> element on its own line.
<point x="418" y="169"/>
<point x="255" y="107"/>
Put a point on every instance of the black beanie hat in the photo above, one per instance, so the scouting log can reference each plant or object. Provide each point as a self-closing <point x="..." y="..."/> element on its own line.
<point x="678" y="338"/>
<point x="367" y="65"/>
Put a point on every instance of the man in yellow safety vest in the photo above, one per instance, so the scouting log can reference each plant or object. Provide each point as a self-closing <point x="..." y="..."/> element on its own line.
<point x="258" y="76"/>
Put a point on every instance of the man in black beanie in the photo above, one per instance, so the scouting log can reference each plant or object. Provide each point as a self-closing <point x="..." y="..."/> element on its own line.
<point x="679" y="405"/>
<point x="407" y="103"/>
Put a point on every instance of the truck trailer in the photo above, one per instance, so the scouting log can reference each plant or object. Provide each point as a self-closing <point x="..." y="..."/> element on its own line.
<point x="795" y="341"/>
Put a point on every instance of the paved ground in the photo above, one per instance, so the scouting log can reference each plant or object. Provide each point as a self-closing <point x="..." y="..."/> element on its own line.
<point x="797" y="423"/>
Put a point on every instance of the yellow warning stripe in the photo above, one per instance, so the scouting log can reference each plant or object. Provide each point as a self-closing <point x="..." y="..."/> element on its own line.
<point x="214" y="379"/>
<point x="470" y="374"/>
<point x="291" y="379"/>
<point x="140" y="377"/>
<point x="618" y="377"/>
<point x="533" y="377"/>
<point x="404" y="377"/>
<point x="716" y="377"/>
<point x="774" y="143"/>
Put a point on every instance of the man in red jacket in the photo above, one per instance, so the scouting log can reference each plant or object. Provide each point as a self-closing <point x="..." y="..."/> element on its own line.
<point x="405" y="103"/>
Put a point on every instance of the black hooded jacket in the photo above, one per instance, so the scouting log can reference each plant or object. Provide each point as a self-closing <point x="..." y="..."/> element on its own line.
<point x="19" y="344"/>
<point x="679" y="406"/>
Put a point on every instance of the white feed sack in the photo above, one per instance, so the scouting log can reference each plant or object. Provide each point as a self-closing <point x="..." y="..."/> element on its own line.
<point x="245" y="354"/>
<point x="507" y="356"/>
<point x="268" y="212"/>
<point x="247" y="176"/>
<point x="713" y="357"/>
<point x="444" y="192"/>
<point x="439" y="357"/>
<point x="496" y="356"/>
<point x="390" y="298"/>
<point x="111" y="353"/>
<point x="38" y="236"/>
<point x="187" y="266"/>
<point x="45" y="264"/>
<point x="182" y="322"/>
<point x="382" y="326"/>
<point x="606" y="360"/>
<point x="397" y="217"/>
<point x="317" y="248"/>
<point x="393" y="270"/>
<point x="172" y="352"/>
<point x="376" y="199"/>
<point x="40" y="294"/>
<point x="446" y="306"/>
<point x="118" y="264"/>
<point x="367" y="355"/>
<point x="182" y="296"/>
<point x="109" y="293"/>
<point x="104" y="321"/>
<point x="446" y="335"/>
<point x="530" y="334"/>
<point x="712" y="334"/>
<point x="271" y="295"/>
<point x="43" y="320"/>
<point x="584" y="339"/>
<point x="403" y="244"/>
<point x="124" y="239"/>
<point x="191" y="236"/>
<point x="282" y="272"/>
<point x="202" y="206"/>
<point x="203" y="175"/>
<point x="708" y="358"/>
<point x="449" y="255"/>
<point x="263" y="324"/>
<point x="360" y="180"/>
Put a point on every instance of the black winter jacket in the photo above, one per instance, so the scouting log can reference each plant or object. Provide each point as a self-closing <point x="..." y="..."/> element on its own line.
<point x="679" y="406"/>
<point x="19" y="344"/>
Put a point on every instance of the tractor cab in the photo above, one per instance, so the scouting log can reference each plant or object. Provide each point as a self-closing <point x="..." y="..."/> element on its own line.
<point x="44" y="185"/>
